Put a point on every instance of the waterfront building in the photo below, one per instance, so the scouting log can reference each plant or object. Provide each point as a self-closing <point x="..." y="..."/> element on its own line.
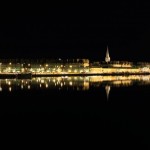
<point x="52" y="66"/>
<point x="71" y="66"/>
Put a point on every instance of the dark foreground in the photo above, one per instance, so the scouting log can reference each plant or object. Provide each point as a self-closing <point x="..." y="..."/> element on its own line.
<point x="78" y="117"/>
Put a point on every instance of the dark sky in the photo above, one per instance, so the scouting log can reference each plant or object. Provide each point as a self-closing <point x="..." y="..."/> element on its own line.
<point x="77" y="31"/>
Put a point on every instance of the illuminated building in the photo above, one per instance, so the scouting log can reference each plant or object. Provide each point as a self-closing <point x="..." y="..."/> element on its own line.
<point x="59" y="66"/>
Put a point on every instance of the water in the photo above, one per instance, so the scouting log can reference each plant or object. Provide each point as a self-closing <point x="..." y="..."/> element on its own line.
<point x="105" y="109"/>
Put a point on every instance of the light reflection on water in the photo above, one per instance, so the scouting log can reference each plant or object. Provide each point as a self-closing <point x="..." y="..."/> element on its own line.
<point x="111" y="116"/>
<point x="73" y="82"/>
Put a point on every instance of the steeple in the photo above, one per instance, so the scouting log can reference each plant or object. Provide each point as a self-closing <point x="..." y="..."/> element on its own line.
<point x="107" y="58"/>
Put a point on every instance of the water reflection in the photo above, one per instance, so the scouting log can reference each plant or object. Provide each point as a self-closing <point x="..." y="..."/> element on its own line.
<point x="75" y="82"/>
<point x="107" y="89"/>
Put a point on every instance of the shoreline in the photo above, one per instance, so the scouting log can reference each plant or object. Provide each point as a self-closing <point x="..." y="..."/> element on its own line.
<point x="30" y="75"/>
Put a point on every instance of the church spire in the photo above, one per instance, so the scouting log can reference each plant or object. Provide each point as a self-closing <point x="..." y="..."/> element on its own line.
<point x="107" y="58"/>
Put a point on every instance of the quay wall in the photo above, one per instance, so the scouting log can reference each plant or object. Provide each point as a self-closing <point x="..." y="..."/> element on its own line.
<point x="114" y="70"/>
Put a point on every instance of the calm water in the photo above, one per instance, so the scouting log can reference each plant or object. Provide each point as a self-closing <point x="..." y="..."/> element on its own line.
<point x="103" y="109"/>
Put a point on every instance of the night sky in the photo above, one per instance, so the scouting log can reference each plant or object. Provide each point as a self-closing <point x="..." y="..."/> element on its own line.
<point x="77" y="31"/>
